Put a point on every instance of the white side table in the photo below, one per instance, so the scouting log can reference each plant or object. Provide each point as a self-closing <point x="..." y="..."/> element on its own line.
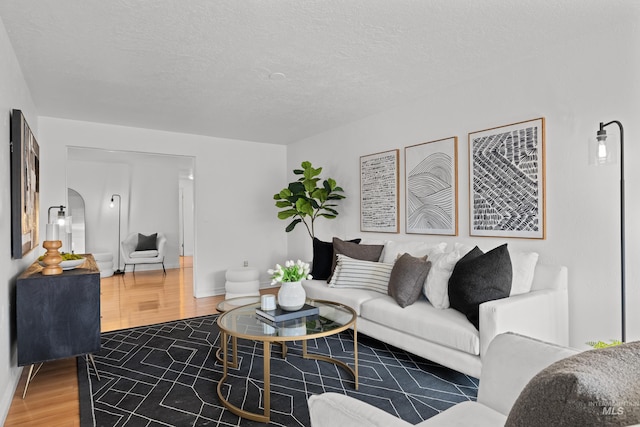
<point x="242" y="282"/>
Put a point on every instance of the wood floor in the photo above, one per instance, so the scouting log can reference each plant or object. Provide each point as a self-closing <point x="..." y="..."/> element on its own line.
<point x="126" y="301"/>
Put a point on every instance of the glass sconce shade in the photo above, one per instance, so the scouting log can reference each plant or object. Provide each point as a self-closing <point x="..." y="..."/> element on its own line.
<point x="603" y="150"/>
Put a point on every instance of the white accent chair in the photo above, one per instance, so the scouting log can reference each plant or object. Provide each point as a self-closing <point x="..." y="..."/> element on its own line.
<point x="510" y="363"/>
<point x="133" y="257"/>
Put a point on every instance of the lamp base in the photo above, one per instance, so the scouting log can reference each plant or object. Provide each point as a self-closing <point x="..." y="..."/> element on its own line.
<point x="52" y="258"/>
<point x="118" y="272"/>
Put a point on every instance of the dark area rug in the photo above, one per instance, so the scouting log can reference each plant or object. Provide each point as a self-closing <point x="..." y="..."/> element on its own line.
<point x="167" y="374"/>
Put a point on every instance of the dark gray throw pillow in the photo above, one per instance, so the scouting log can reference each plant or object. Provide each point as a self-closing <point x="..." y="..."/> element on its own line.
<point x="354" y="250"/>
<point x="594" y="388"/>
<point x="478" y="278"/>
<point x="407" y="279"/>
<point x="147" y="243"/>
<point x="323" y="258"/>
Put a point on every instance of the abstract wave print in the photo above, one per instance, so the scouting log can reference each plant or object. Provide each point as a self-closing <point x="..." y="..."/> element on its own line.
<point x="430" y="194"/>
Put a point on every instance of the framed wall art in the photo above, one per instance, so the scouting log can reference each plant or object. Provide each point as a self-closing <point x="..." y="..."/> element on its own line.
<point x="507" y="181"/>
<point x="379" y="195"/>
<point x="25" y="187"/>
<point x="431" y="185"/>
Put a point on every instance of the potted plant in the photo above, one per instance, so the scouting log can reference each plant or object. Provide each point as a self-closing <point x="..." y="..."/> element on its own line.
<point x="305" y="201"/>
<point x="291" y="295"/>
<point x="602" y="344"/>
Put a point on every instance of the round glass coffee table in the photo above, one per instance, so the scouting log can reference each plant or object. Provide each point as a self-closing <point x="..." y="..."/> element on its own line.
<point x="231" y="303"/>
<point x="243" y="322"/>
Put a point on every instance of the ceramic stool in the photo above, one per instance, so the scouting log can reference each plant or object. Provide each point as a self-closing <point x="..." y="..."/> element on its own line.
<point x="105" y="263"/>
<point x="241" y="282"/>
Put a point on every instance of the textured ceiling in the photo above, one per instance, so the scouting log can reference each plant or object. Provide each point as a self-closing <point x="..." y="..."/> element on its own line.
<point x="204" y="66"/>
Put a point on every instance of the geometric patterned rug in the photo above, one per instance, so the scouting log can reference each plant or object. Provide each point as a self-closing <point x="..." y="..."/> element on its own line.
<point x="167" y="374"/>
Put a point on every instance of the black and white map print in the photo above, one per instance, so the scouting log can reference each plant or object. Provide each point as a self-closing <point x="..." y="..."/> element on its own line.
<point x="507" y="181"/>
<point x="431" y="187"/>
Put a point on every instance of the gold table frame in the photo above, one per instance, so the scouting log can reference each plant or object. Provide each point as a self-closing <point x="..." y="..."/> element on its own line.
<point x="267" y="340"/>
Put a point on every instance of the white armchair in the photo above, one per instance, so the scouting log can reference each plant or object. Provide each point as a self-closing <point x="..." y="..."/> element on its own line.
<point x="131" y="256"/>
<point x="511" y="361"/>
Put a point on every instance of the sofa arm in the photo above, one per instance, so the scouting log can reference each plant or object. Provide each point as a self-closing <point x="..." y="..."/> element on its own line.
<point x="334" y="409"/>
<point x="540" y="314"/>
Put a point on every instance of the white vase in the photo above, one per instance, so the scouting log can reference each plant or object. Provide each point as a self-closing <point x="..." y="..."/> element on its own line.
<point x="291" y="296"/>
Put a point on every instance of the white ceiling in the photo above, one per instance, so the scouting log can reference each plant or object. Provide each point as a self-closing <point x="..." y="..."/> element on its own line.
<point x="204" y="66"/>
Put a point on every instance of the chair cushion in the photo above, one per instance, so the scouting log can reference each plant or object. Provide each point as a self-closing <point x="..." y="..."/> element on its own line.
<point x="336" y="410"/>
<point x="597" y="387"/>
<point x="147" y="243"/>
<point x="466" y="414"/>
<point x="144" y="254"/>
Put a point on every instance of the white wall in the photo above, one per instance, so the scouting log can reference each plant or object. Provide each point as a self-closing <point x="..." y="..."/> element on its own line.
<point x="147" y="185"/>
<point x="96" y="182"/>
<point x="187" y="215"/>
<point x="575" y="91"/>
<point x="14" y="94"/>
<point x="234" y="185"/>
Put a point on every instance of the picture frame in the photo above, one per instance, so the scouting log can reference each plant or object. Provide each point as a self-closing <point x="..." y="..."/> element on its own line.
<point x="25" y="187"/>
<point x="379" y="192"/>
<point x="507" y="181"/>
<point x="431" y="187"/>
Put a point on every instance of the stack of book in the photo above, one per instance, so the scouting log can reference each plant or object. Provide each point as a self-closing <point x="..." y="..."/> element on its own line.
<point x="280" y="315"/>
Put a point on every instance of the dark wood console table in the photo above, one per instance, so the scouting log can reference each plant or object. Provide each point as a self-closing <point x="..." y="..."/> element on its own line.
<point x="57" y="316"/>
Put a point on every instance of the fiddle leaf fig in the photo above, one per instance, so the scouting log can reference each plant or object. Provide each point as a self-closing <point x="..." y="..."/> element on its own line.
<point x="305" y="201"/>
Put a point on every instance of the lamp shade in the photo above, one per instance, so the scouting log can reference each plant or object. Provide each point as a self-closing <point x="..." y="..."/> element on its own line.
<point x="604" y="150"/>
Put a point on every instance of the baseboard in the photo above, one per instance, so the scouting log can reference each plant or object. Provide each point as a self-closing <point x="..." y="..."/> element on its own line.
<point x="9" y="392"/>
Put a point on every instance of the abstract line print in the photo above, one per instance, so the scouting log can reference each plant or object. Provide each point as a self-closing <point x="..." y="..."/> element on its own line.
<point x="507" y="181"/>
<point x="431" y="185"/>
<point x="379" y="199"/>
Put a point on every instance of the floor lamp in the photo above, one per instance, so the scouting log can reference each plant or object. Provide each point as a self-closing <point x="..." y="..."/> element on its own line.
<point x="602" y="156"/>
<point x="118" y="271"/>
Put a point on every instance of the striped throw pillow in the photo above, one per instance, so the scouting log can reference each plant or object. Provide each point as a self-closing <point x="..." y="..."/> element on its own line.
<point x="355" y="273"/>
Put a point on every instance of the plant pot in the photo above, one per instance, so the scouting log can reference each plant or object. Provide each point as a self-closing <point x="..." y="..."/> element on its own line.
<point x="291" y="296"/>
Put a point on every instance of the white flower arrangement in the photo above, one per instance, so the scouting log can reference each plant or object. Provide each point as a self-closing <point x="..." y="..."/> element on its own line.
<point x="291" y="272"/>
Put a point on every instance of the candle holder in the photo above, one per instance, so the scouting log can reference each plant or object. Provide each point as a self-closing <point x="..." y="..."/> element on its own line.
<point x="52" y="258"/>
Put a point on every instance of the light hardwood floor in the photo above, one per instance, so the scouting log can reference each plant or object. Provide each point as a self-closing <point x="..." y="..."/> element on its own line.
<point x="126" y="301"/>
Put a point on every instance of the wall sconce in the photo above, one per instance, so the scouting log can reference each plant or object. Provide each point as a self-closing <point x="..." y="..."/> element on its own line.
<point x="111" y="205"/>
<point x="602" y="153"/>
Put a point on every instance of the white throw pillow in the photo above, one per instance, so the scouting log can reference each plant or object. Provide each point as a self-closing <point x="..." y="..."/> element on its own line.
<point x="436" y="287"/>
<point x="524" y="266"/>
<point x="366" y="241"/>
<point x="416" y="249"/>
<point x="355" y="273"/>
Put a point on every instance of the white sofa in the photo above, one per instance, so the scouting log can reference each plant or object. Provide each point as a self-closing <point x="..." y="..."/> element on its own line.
<point x="445" y="336"/>
<point x="511" y="362"/>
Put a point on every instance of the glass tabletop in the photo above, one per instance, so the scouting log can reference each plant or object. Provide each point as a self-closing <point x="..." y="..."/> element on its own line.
<point x="231" y="303"/>
<point x="243" y="322"/>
